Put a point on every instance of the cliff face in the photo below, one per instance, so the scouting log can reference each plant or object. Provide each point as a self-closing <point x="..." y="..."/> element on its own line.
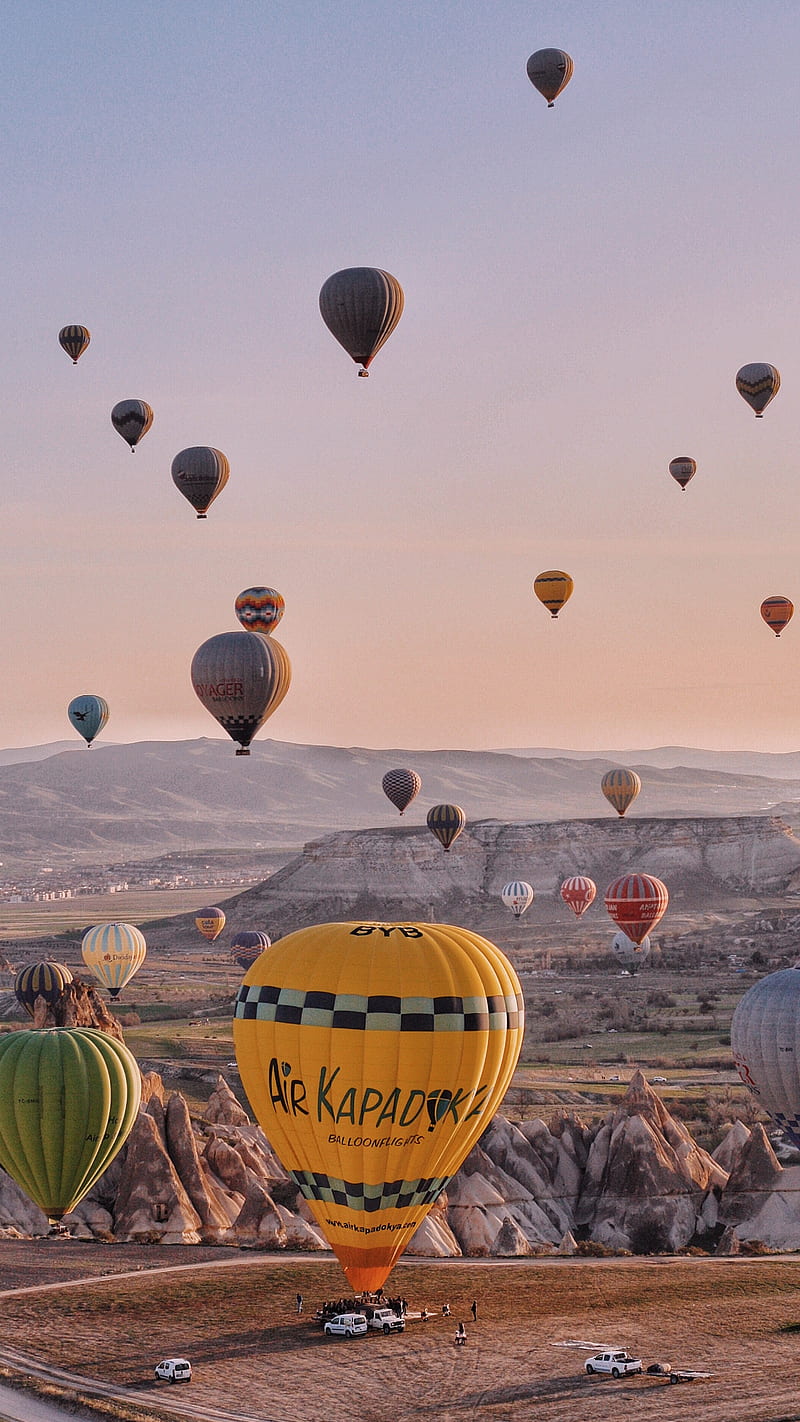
<point x="404" y="872"/>
<point x="635" y="1182"/>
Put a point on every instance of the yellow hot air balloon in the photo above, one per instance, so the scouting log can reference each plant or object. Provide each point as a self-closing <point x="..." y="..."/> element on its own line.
<point x="114" y="952"/>
<point x="553" y="588"/>
<point x="620" y="788"/>
<point x="374" y="1055"/>
<point x="210" y="922"/>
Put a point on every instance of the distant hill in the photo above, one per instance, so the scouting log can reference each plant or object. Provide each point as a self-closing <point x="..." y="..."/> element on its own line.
<point x="136" y="801"/>
<point x="784" y="766"/>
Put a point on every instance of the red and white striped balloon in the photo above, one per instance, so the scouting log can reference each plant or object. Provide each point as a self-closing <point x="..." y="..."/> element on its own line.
<point x="637" y="902"/>
<point x="578" y="893"/>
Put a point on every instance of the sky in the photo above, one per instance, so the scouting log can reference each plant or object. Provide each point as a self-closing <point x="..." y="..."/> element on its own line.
<point x="581" y="286"/>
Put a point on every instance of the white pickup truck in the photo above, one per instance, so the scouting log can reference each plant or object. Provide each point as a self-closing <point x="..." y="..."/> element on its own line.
<point x="387" y="1321"/>
<point x="616" y="1362"/>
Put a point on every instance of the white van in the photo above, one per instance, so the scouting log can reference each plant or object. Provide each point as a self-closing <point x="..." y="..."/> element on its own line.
<point x="174" y="1370"/>
<point x="346" y="1325"/>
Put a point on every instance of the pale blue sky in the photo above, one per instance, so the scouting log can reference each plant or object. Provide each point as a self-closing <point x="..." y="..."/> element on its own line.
<point x="581" y="286"/>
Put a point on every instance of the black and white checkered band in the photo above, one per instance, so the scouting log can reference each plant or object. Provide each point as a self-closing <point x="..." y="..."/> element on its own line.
<point x="266" y="1003"/>
<point x="390" y="1195"/>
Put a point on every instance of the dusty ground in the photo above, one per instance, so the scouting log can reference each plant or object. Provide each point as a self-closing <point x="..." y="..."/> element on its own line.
<point x="253" y="1357"/>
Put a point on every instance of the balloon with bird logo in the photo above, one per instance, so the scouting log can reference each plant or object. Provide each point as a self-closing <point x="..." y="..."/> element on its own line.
<point x="553" y="589"/>
<point x="74" y="340"/>
<point x="446" y="822"/>
<point x="518" y="896"/>
<point x="210" y="922"/>
<point x="200" y="473"/>
<point x="46" y="980"/>
<point x="114" y="952"/>
<point x="637" y="903"/>
<point x="550" y="71"/>
<point x="88" y="715"/>
<point x="132" y="419"/>
<point x="259" y="609"/>
<point x="628" y="954"/>
<point x="777" y="612"/>
<point x="401" y="787"/>
<point x="361" y="307"/>
<point x="758" y="384"/>
<point x="68" y="1099"/>
<point x="578" y="893"/>
<point x="620" y="788"/>
<point x="374" y="1055"/>
<point x="241" y="678"/>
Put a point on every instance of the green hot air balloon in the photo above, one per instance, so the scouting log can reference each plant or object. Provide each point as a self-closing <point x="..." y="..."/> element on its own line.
<point x="200" y="473"/>
<point x="68" y="1099"/>
<point x="88" y="715"/>
<point x="241" y="678"/>
<point x="361" y="307"/>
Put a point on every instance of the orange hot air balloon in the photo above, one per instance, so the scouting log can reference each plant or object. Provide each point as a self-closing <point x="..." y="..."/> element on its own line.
<point x="637" y="902"/>
<point x="210" y="922"/>
<point x="620" y="788"/>
<point x="374" y="1055"/>
<point x="553" y="588"/>
<point x="578" y="893"/>
<point x="777" y="613"/>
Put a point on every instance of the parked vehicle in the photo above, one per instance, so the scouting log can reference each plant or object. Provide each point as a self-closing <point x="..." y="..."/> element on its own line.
<point x="174" y="1370"/>
<point x="386" y="1320"/>
<point x="618" y="1363"/>
<point x="346" y="1325"/>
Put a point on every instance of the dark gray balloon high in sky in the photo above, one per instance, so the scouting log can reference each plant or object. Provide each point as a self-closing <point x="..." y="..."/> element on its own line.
<point x="549" y="71"/>
<point x="361" y="307"/>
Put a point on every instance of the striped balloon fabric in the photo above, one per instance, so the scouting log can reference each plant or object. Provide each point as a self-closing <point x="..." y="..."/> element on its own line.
<point x="46" y="980"/>
<point x="553" y="589"/>
<point x="114" y="952"/>
<point x="637" y="902"/>
<point x="132" y="419"/>
<point x="777" y="612"/>
<point x="74" y="340"/>
<point x="446" y="822"/>
<point x="682" y="470"/>
<point x="620" y="788"/>
<point x="401" y="787"/>
<point x="518" y="896"/>
<point x="259" y="609"/>
<point x="248" y="945"/>
<point x="578" y="893"/>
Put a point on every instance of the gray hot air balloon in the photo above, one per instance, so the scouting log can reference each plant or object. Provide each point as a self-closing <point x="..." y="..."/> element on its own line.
<point x="241" y="678"/>
<point x="628" y="954"/>
<point x="549" y="71"/>
<point x="361" y="307"/>
<point x="758" y="384"/>
<point x="132" y="419"/>
<point x="682" y="469"/>
<point x="200" y="473"/>
<point x="765" y="1042"/>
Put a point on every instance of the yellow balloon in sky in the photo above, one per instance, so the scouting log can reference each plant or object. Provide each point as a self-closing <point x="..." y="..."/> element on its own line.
<point x="553" y="588"/>
<point x="374" y="1055"/>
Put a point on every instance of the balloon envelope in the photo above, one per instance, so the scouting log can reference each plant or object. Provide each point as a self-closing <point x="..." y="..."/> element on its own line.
<point x="401" y="787"/>
<point x="578" y="893"/>
<point x="361" y="307"/>
<point x="553" y="588"/>
<point x="241" y="678"/>
<point x="446" y="822"/>
<point x="777" y="612"/>
<point x="629" y="954"/>
<point x="637" y="902"/>
<point x="200" y="473"/>
<point x="68" y="1099"/>
<point x="518" y="896"/>
<point x="132" y="419"/>
<point x="682" y="470"/>
<point x="46" y="980"/>
<point x="260" y="609"/>
<point x="88" y="715"/>
<point x="765" y="1042"/>
<point x="74" y="340"/>
<point x="549" y="71"/>
<point x="210" y="922"/>
<point x="758" y="384"/>
<point x="114" y="952"/>
<point x="620" y="788"/>
<point x="374" y="1056"/>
